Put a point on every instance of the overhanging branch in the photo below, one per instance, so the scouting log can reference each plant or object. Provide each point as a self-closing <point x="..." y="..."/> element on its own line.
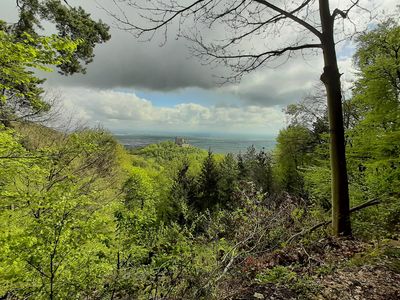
<point x="271" y="20"/>
<point x="292" y="17"/>
<point x="343" y="13"/>
<point x="161" y="23"/>
<point x="270" y="53"/>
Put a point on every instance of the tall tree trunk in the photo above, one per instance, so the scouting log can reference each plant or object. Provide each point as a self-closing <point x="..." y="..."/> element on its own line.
<point x="331" y="79"/>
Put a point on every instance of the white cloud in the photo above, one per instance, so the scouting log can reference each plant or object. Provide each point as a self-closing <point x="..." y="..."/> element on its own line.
<point x="118" y="110"/>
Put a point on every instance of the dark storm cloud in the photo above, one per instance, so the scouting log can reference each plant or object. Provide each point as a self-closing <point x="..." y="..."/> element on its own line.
<point x="129" y="63"/>
<point x="125" y="62"/>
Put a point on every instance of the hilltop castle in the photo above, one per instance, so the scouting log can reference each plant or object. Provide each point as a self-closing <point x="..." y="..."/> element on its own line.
<point x="181" y="142"/>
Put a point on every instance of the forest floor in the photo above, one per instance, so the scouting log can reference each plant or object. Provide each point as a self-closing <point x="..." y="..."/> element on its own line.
<point x="330" y="268"/>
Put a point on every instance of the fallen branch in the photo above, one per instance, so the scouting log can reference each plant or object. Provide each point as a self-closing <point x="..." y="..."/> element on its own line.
<point x="364" y="205"/>
<point x="354" y="209"/>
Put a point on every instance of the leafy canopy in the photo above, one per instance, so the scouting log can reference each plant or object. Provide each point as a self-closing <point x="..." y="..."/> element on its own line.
<point x="70" y="22"/>
<point x="20" y="90"/>
<point x="24" y="48"/>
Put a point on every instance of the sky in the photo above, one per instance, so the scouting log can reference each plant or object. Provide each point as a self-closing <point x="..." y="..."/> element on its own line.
<point x="138" y="86"/>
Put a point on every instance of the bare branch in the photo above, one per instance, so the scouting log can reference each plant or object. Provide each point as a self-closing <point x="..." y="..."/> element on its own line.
<point x="343" y="14"/>
<point x="337" y="11"/>
<point x="243" y="63"/>
<point x="66" y="3"/>
<point x="292" y="17"/>
<point x="269" y="54"/>
<point x="228" y="11"/>
<point x="247" y="23"/>
<point x="161" y="22"/>
<point x="274" y="19"/>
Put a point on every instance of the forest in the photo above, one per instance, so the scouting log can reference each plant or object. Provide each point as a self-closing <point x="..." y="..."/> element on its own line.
<point x="82" y="217"/>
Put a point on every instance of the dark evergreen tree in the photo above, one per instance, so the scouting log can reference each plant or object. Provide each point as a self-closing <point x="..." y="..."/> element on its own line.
<point x="182" y="193"/>
<point x="262" y="173"/>
<point x="241" y="167"/>
<point x="256" y="167"/>
<point x="207" y="197"/>
<point x="228" y="181"/>
<point x="247" y="163"/>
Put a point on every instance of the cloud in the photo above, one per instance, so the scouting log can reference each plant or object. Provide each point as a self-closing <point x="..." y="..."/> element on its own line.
<point x="124" y="62"/>
<point x="278" y="86"/>
<point x="128" y="111"/>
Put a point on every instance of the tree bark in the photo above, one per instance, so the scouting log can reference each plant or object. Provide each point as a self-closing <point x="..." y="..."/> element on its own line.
<point x="331" y="79"/>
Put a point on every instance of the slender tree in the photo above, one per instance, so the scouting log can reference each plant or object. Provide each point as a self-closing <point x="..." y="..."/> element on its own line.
<point x="182" y="193"/>
<point x="262" y="24"/>
<point x="228" y="181"/>
<point x="294" y="144"/>
<point x="208" y="196"/>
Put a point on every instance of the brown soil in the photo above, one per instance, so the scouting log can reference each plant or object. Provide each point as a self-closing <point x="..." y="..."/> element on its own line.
<point x="328" y="269"/>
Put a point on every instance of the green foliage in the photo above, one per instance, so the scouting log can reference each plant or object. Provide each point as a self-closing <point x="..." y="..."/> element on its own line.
<point x="167" y="158"/>
<point x="21" y="94"/>
<point x="294" y="145"/>
<point x="277" y="275"/>
<point x="208" y="195"/>
<point x="371" y="119"/>
<point x="71" y="23"/>
<point x="228" y="180"/>
<point x="257" y="167"/>
<point x="303" y="286"/>
<point x="182" y="193"/>
<point x="318" y="185"/>
<point x="25" y="50"/>
<point x="374" y="150"/>
<point x="52" y="219"/>
<point x="262" y="173"/>
<point x="384" y="251"/>
<point x="139" y="191"/>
